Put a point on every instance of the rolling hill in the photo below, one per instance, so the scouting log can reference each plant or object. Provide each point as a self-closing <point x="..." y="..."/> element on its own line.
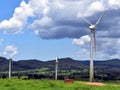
<point x="112" y="65"/>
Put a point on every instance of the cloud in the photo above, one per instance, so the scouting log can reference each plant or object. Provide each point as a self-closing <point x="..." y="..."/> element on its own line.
<point x="82" y="40"/>
<point x="62" y="18"/>
<point x="10" y="51"/>
<point x="57" y="19"/>
<point x="97" y="6"/>
<point x="114" y="4"/>
<point x="107" y="48"/>
<point x="57" y="22"/>
<point x="16" y="23"/>
<point x="53" y="19"/>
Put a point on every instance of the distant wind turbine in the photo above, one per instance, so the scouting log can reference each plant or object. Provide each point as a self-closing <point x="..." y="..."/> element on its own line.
<point x="10" y="51"/>
<point x="92" y="28"/>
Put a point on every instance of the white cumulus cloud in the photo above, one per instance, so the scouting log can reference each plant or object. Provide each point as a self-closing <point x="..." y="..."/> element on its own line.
<point x="114" y="4"/>
<point x="82" y="40"/>
<point x="10" y="51"/>
<point x="107" y="48"/>
<point x="16" y="23"/>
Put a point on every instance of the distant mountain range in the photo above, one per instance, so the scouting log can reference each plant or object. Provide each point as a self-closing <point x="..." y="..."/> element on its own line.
<point x="111" y="66"/>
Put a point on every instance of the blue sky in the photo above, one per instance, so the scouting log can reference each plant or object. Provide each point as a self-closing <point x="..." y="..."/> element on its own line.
<point x="46" y="29"/>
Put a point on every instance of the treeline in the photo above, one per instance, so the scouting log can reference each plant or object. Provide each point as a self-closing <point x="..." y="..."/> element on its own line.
<point x="75" y="76"/>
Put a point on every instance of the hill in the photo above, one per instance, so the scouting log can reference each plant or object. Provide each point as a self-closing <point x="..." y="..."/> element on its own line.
<point x="64" y="63"/>
<point x="110" y="66"/>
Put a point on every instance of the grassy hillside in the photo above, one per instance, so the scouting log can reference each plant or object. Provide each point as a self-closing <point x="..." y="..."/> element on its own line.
<point x="15" y="84"/>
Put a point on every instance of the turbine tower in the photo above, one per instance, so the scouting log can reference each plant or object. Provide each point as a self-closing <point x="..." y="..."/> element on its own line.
<point x="92" y="28"/>
<point x="56" y="68"/>
<point x="10" y="62"/>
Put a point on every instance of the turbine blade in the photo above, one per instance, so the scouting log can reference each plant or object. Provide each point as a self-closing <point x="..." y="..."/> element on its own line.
<point x="100" y="18"/>
<point x="85" y="20"/>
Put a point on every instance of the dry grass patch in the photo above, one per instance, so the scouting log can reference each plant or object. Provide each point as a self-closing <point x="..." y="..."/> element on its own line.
<point x="95" y="83"/>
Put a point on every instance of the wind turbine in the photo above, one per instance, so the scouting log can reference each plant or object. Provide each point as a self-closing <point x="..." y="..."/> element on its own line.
<point x="92" y="28"/>
<point x="10" y="51"/>
<point x="56" y="68"/>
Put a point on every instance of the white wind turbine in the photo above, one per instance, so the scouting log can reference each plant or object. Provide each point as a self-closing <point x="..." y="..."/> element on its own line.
<point x="92" y="28"/>
<point x="10" y="51"/>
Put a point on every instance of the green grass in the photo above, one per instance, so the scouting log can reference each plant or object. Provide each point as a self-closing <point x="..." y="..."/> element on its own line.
<point x="19" y="84"/>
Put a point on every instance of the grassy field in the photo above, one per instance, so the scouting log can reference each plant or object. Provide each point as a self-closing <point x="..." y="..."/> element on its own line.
<point x="18" y="84"/>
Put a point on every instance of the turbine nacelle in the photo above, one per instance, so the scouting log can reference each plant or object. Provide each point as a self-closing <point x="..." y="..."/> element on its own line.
<point x="92" y="27"/>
